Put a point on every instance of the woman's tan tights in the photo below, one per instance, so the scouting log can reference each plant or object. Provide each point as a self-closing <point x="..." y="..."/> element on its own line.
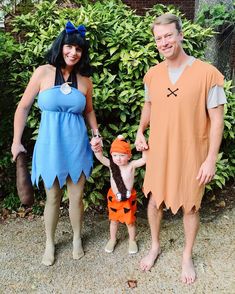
<point x="51" y="216"/>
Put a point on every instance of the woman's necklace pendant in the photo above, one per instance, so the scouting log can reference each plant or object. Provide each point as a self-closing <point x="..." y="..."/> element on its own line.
<point x="65" y="88"/>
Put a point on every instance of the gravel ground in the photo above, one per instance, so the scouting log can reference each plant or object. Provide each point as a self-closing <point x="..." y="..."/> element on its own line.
<point x="22" y="245"/>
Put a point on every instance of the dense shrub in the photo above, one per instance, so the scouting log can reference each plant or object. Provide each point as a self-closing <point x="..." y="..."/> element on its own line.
<point x="221" y="17"/>
<point x="122" y="50"/>
<point x="7" y="105"/>
<point x="218" y="16"/>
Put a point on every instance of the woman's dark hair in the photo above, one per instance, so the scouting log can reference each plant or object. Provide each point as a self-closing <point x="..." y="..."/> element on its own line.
<point x="118" y="179"/>
<point x="54" y="55"/>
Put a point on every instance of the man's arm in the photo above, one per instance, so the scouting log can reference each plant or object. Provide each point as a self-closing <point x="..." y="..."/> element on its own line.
<point x="207" y="169"/>
<point x="140" y="141"/>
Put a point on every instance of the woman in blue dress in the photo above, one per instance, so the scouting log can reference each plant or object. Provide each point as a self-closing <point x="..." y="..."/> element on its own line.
<point x="62" y="153"/>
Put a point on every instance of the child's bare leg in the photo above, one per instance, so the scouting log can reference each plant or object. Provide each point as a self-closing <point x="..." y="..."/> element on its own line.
<point x="113" y="236"/>
<point x="76" y="209"/>
<point x="154" y="218"/>
<point x="133" y="248"/>
<point x="191" y="226"/>
<point x="113" y="230"/>
<point x="51" y="216"/>
<point x="132" y="231"/>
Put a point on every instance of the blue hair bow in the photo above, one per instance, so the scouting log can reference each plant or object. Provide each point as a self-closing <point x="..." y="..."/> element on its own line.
<point x="70" y="28"/>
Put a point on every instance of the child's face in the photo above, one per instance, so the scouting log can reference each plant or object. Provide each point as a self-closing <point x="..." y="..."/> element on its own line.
<point x="120" y="158"/>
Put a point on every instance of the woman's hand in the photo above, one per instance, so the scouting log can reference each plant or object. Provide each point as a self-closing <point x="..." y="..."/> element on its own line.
<point x="16" y="148"/>
<point x="96" y="144"/>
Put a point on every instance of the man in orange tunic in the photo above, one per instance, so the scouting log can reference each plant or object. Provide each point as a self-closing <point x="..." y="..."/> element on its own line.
<point x="184" y="108"/>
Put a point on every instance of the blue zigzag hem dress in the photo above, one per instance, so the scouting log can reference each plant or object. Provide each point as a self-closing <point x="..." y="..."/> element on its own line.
<point x="62" y="148"/>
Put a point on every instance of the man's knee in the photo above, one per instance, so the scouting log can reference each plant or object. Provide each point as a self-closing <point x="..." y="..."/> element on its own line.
<point x="192" y="212"/>
<point x="152" y="204"/>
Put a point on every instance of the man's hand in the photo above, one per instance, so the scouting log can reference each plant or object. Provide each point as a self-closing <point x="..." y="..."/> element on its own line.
<point x="206" y="172"/>
<point x="140" y="142"/>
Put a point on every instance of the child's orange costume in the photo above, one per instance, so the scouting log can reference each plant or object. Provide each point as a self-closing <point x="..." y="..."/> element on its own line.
<point x="122" y="211"/>
<point x="121" y="146"/>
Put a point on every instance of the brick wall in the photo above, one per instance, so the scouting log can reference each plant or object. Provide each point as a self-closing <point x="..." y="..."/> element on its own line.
<point x="185" y="6"/>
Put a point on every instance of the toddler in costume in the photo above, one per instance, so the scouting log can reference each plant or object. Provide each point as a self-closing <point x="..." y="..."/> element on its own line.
<point x="121" y="196"/>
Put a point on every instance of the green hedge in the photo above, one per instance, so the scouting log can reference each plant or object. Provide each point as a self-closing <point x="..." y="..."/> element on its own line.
<point x="122" y="50"/>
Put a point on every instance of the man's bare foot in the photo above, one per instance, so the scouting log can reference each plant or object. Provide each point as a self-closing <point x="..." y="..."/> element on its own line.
<point x="49" y="254"/>
<point x="188" y="275"/>
<point x="148" y="261"/>
<point x="77" y="249"/>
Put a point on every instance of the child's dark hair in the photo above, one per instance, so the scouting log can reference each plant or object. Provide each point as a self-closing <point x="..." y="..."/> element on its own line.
<point x="116" y="173"/>
<point x="54" y="55"/>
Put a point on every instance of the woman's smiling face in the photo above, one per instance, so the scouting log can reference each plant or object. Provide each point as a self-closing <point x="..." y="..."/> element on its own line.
<point x="71" y="54"/>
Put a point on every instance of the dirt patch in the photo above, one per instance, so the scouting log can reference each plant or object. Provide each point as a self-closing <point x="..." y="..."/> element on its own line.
<point x="22" y="245"/>
<point x="217" y="202"/>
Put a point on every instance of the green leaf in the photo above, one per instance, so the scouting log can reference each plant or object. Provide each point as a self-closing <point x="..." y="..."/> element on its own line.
<point x="113" y="49"/>
<point x="123" y="117"/>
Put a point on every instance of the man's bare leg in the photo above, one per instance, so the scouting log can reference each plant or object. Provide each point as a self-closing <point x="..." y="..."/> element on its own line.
<point x="51" y="217"/>
<point x="154" y="218"/>
<point x="191" y="226"/>
<point x="76" y="209"/>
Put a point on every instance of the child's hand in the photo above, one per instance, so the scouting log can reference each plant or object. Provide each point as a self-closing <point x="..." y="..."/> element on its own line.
<point x="96" y="144"/>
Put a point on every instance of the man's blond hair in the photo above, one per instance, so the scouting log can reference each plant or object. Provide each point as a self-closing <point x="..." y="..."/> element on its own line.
<point x="168" y="18"/>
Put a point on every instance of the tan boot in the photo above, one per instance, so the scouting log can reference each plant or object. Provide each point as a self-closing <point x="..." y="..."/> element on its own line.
<point x="110" y="246"/>
<point x="133" y="248"/>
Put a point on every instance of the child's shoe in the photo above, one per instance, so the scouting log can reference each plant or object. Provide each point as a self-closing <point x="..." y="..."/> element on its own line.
<point x="110" y="246"/>
<point x="133" y="248"/>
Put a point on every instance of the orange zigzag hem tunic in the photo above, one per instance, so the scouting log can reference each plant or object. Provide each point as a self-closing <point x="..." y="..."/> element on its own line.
<point x="122" y="211"/>
<point x="179" y="133"/>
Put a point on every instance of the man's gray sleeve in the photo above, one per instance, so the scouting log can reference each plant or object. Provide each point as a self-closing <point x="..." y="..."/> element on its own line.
<point x="216" y="97"/>
<point x="146" y="94"/>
